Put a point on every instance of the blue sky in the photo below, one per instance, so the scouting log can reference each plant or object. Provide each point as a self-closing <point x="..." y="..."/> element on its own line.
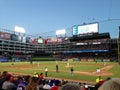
<point x="46" y="16"/>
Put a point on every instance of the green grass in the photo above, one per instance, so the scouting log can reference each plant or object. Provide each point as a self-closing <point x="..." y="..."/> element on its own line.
<point x="64" y="71"/>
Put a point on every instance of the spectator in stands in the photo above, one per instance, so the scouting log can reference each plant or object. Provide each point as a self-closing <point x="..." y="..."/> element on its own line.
<point x="8" y="85"/>
<point x="64" y="82"/>
<point x="41" y="76"/>
<point x="112" y="84"/>
<point x="70" y="86"/>
<point x="84" y="86"/>
<point x="2" y="79"/>
<point x="41" y="83"/>
<point x="33" y="84"/>
<point x="56" y="86"/>
<point x="22" y="82"/>
<point x="108" y="78"/>
<point x="51" y="82"/>
<point x="46" y="86"/>
<point x="97" y="85"/>
<point x="46" y="71"/>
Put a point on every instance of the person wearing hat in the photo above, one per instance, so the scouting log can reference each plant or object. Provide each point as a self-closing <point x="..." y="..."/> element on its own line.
<point x="8" y="85"/>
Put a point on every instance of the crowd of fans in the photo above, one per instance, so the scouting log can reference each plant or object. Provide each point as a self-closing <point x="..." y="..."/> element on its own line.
<point x="38" y="82"/>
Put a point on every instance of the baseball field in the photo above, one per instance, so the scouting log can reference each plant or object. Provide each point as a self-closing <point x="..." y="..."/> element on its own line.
<point x="83" y="71"/>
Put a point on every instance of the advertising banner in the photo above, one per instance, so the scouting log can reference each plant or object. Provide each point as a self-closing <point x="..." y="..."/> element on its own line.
<point x="4" y="35"/>
<point x="53" y="40"/>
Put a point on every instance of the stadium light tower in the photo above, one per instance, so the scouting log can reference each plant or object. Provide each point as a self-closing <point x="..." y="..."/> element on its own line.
<point x="19" y="29"/>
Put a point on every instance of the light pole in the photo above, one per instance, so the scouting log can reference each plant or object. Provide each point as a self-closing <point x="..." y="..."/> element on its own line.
<point x="118" y="42"/>
<point x="119" y="32"/>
